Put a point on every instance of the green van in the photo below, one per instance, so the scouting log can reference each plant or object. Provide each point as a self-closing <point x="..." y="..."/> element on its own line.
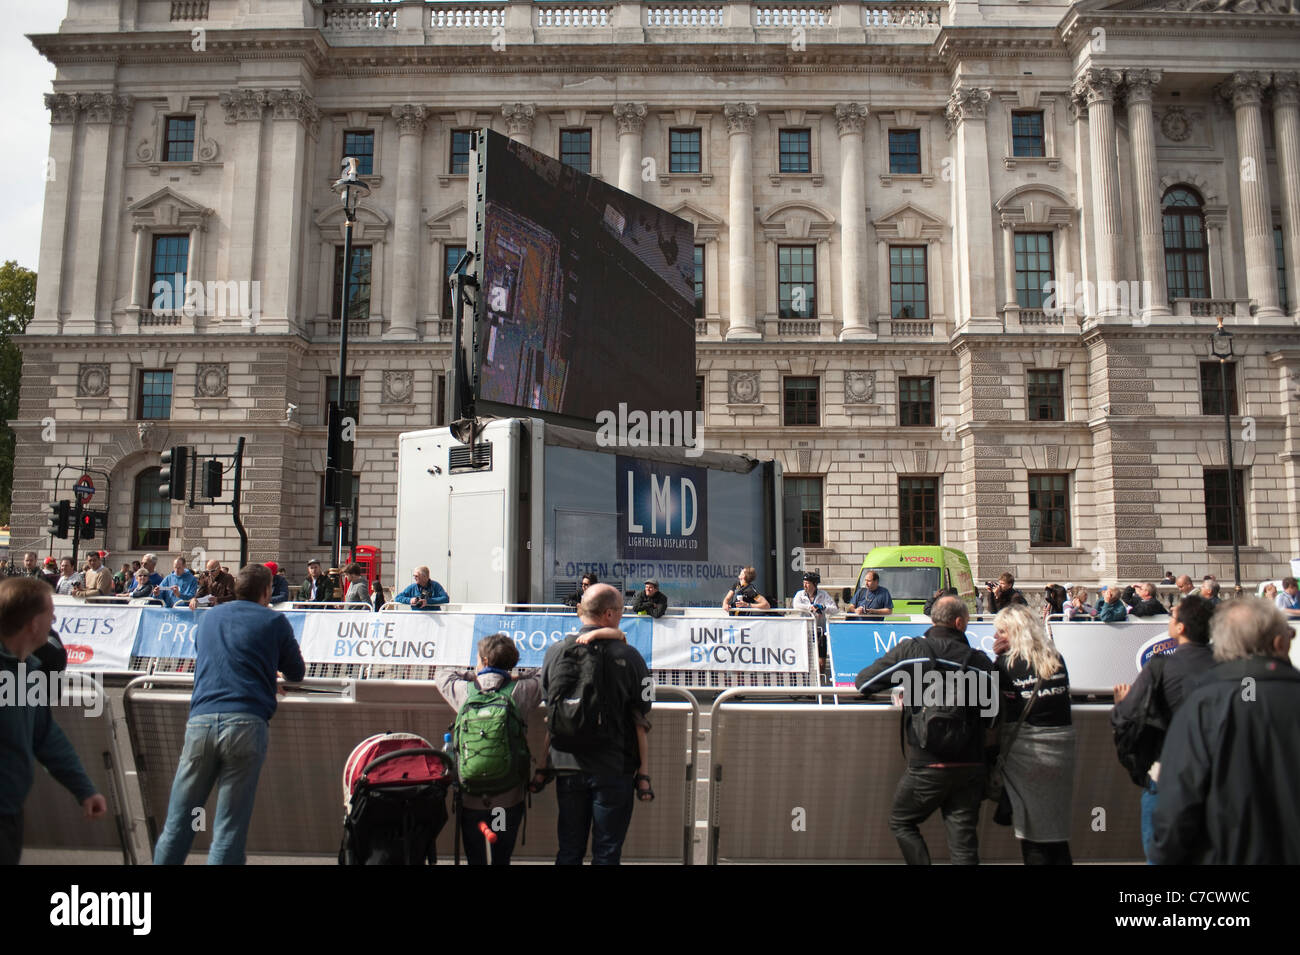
<point x="913" y="574"/>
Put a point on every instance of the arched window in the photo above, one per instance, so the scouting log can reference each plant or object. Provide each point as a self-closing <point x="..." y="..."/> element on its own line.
<point x="151" y="515"/>
<point x="1185" y="259"/>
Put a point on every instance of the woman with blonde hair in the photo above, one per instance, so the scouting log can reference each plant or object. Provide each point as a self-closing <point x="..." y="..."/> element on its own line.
<point x="1037" y="736"/>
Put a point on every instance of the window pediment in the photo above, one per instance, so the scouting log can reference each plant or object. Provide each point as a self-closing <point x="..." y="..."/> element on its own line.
<point x="907" y="223"/>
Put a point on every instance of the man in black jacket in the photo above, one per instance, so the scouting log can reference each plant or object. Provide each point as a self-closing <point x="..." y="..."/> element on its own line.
<point x="651" y="600"/>
<point x="1179" y="671"/>
<point x="1004" y="594"/>
<point x="1145" y="602"/>
<point x="1230" y="767"/>
<point x="953" y="783"/>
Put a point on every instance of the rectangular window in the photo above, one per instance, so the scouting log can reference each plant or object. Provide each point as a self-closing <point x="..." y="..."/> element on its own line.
<point x="440" y="414"/>
<point x="178" y="139"/>
<point x="699" y="392"/>
<point x="329" y="514"/>
<point x="1046" y="395"/>
<point x="684" y="150"/>
<point x="351" y="397"/>
<point x="1218" y="516"/>
<point x="918" y="511"/>
<point x="905" y="152"/>
<point x="1279" y="250"/>
<point x="1034" y="268"/>
<point x="575" y="149"/>
<point x="796" y="150"/>
<point x="451" y="256"/>
<point x="360" y="145"/>
<point x="916" y="402"/>
<point x="153" y="514"/>
<point x="1049" y="510"/>
<point x="908" y="282"/>
<point x="458" y="163"/>
<point x="1212" y="388"/>
<point x="169" y="272"/>
<point x="699" y="281"/>
<point x="358" y="286"/>
<point x="154" y="396"/>
<point x="1027" y="135"/>
<point x="809" y="492"/>
<point x="800" y="405"/>
<point x="797" y="283"/>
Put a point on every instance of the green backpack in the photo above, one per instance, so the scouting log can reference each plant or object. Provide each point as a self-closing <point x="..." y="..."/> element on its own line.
<point x="491" y="742"/>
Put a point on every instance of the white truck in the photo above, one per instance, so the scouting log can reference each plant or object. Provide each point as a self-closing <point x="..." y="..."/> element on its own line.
<point x="521" y="516"/>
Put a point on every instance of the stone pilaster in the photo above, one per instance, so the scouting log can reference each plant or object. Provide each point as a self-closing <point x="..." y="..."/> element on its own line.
<point x="59" y="169"/>
<point x="293" y="117"/>
<point x="243" y="108"/>
<point x="976" y="288"/>
<point x="1286" y="132"/>
<point x="1095" y="92"/>
<point x="411" y="121"/>
<point x="520" y="118"/>
<point x="743" y="323"/>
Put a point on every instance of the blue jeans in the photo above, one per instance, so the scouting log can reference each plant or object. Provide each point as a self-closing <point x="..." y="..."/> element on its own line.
<point x="225" y="750"/>
<point x="601" y="805"/>
<point x="1149" y="799"/>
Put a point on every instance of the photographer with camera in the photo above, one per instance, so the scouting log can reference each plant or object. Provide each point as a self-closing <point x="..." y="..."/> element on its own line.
<point x="1003" y="594"/>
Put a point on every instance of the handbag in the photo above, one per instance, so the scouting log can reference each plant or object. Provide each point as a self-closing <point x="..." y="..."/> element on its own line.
<point x="995" y="784"/>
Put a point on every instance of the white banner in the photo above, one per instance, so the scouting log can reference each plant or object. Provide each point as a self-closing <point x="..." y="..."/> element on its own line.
<point x="97" y="636"/>
<point x="731" y="643"/>
<point x="366" y="637"/>
<point x="1099" y="655"/>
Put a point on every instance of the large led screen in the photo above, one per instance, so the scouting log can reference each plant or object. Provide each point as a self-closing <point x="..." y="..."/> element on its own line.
<point x="586" y="293"/>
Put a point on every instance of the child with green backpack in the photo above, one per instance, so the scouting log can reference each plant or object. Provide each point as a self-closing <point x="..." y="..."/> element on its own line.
<point x="490" y="740"/>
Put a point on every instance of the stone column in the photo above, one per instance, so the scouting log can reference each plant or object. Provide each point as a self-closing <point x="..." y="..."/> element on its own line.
<point x="519" y="121"/>
<point x="1286" y="132"/>
<point x="244" y="107"/>
<point x="406" y="221"/>
<point x="850" y="121"/>
<point x="1096" y="91"/>
<point x="1012" y="304"/>
<point x="1064" y="276"/>
<point x="973" y="201"/>
<point x="293" y="116"/>
<point x="140" y="268"/>
<point x="59" y="170"/>
<point x="1245" y="90"/>
<point x="1139" y="86"/>
<point x="630" y="118"/>
<point x="742" y="322"/>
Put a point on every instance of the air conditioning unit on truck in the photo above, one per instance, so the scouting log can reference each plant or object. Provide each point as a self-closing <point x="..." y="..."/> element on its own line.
<point x="532" y="506"/>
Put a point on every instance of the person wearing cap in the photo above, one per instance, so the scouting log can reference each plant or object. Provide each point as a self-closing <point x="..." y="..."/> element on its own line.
<point x="279" y="583"/>
<point x="812" y="598"/>
<point x="651" y="600"/>
<point x="317" y="587"/>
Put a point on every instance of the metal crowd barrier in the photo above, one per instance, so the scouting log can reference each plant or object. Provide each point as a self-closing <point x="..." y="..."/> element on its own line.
<point x="299" y="807"/>
<point x="790" y="782"/>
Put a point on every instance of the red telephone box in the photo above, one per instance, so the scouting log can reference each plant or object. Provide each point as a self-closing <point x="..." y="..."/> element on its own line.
<point x="369" y="558"/>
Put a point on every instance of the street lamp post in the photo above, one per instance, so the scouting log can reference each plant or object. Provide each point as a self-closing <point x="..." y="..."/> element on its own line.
<point x="1221" y="348"/>
<point x="351" y="190"/>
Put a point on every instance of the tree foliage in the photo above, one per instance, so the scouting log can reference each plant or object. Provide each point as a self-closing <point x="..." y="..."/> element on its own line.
<point x="17" y="306"/>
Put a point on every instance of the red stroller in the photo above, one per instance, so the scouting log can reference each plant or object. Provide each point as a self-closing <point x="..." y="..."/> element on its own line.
<point x="395" y="800"/>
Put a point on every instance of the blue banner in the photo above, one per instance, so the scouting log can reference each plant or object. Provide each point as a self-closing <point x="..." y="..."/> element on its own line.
<point x="854" y="646"/>
<point x="533" y="633"/>
<point x="170" y="633"/>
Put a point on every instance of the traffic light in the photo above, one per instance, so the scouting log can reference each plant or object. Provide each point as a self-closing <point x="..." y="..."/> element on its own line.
<point x="174" y="463"/>
<point x="87" y="531"/>
<point x="212" y="470"/>
<point x="60" y="518"/>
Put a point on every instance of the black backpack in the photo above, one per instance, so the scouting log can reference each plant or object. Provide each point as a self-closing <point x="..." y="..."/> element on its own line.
<point x="1139" y="741"/>
<point x="585" y="710"/>
<point x="946" y="731"/>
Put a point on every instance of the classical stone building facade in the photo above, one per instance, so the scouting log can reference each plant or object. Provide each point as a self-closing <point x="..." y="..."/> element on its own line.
<point x="880" y="193"/>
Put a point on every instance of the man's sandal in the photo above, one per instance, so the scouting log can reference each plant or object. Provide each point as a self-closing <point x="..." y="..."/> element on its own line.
<point x="645" y="794"/>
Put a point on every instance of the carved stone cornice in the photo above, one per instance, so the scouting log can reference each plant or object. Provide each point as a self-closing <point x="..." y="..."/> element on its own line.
<point x="1244" y="88"/>
<point x="965" y="103"/>
<point x="1286" y="89"/>
<point x="63" y="107"/>
<point x="630" y="117"/>
<point x="739" y="117"/>
<point x="243" y="105"/>
<point x="410" y="119"/>
<point x="1140" y="85"/>
<point x="850" y="118"/>
<point x="519" y="118"/>
<point x="97" y="108"/>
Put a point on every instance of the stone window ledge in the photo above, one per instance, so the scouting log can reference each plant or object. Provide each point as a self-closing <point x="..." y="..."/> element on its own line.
<point x="1053" y="163"/>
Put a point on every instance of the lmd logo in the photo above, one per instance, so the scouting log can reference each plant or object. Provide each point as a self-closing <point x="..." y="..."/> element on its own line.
<point x="662" y="510"/>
